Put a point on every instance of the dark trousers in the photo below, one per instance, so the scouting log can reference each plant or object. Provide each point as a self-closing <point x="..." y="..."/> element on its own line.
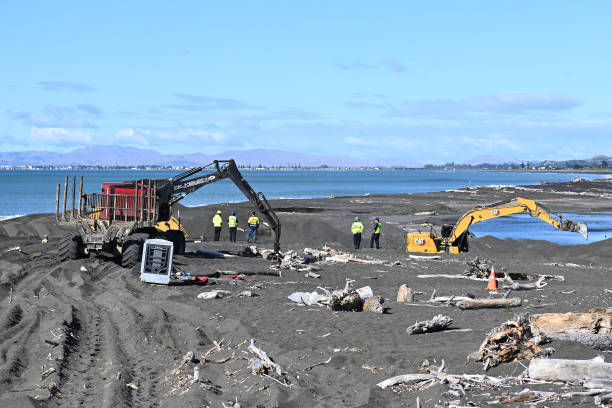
<point x="217" y="233"/>
<point x="232" y="231"/>
<point x="374" y="239"/>
<point x="357" y="240"/>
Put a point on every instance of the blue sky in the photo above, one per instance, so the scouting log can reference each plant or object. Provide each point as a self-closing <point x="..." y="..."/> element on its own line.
<point x="426" y="82"/>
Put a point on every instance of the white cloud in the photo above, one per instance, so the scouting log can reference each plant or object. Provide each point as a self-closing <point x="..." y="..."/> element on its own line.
<point x="193" y="134"/>
<point x="58" y="135"/>
<point x="354" y="141"/>
<point x="132" y="136"/>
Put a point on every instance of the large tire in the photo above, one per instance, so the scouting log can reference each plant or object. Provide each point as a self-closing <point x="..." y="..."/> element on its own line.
<point x="70" y="246"/>
<point x="178" y="239"/>
<point x="131" y="250"/>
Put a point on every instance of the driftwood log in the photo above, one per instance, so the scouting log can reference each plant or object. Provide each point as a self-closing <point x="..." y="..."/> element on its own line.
<point x="593" y="329"/>
<point x="539" y="284"/>
<point x="488" y="303"/>
<point x="569" y="370"/>
<point x="438" y="323"/>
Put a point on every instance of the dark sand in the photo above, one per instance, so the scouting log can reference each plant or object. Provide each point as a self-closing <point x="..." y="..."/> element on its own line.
<point x="102" y="329"/>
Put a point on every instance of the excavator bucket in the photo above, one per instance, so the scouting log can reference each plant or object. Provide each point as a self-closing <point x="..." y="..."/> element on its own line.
<point x="582" y="229"/>
<point x="575" y="226"/>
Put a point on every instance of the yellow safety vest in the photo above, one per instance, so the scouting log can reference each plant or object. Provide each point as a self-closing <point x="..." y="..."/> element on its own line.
<point x="217" y="220"/>
<point x="253" y="221"/>
<point x="357" y="227"/>
<point x="377" y="227"/>
<point x="232" y="221"/>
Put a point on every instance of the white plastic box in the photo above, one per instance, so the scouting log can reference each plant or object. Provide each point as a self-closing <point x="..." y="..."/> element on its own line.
<point x="156" y="265"/>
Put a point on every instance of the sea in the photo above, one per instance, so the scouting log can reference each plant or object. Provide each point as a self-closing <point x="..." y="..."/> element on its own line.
<point x="33" y="191"/>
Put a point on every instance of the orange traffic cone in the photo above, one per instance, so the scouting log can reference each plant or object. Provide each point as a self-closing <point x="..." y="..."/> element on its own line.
<point x="492" y="284"/>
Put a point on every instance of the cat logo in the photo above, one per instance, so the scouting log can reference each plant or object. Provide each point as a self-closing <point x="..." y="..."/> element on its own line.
<point x="419" y="241"/>
<point x="494" y="212"/>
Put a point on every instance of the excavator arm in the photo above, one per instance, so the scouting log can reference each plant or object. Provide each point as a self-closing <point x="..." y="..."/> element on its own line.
<point x="516" y="206"/>
<point x="177" y="187"/>
<point x="454" y="239"/>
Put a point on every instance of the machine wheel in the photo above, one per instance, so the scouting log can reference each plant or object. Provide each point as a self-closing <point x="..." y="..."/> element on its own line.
<point x="70" y="246"/>
<point x="131" y="250"/>
<point x="178" y="239"/>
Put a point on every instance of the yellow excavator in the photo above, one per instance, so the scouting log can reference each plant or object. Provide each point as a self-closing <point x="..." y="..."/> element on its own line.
<point x="454" y="238"/>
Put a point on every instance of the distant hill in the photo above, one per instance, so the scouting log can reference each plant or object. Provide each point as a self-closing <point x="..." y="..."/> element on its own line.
<point x="595" y="161"/>
<point x="133" y="156"/>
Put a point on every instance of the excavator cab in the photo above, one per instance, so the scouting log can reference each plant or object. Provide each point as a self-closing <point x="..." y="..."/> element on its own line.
<point x="446" y="230"/>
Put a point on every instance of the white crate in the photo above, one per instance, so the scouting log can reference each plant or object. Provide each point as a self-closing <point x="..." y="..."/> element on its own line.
<point x="156" y="264"/>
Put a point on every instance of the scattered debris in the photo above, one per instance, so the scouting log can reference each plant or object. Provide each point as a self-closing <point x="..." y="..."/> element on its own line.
<point x="292" y="261"/>
<point x="438" y="323"/>
<point x="246" y="293"/>
<point x="214" y="294"/>
<point x="132" y="386"/>
<point x="187" y="358"/>
<point x="262" y="364"/>
<point x="312" y="275"/>
<point x="347" y="299"/>
<point x="318" y="364"/>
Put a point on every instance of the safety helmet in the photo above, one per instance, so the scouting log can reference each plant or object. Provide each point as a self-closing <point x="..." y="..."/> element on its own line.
<point x="376" y="218"/>
<point x="46" y="236"/>
<point x="356" y="218"/>
<point x="219" y="212"/>
<point x="233" y="212"/>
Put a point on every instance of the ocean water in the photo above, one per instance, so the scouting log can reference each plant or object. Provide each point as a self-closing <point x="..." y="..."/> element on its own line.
<point x="33" y="191"/>
<point x="525" y="226"/>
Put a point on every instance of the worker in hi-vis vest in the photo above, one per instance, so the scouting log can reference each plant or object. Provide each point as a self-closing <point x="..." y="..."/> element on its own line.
<point x="376" y="233"/>
<point x="356" y="230"/>
<point x="217" y="223"/>
<point x="253" y="225"/>
<point x="232" y="224"/>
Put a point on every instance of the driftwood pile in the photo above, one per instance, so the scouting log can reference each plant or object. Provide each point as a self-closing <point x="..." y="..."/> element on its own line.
<point x="513" y="340"/>
<point x="305" y="263"/>
<point x="347" y="299"/>
<point x="476" y="268"/>
<point x="520" y="339"/>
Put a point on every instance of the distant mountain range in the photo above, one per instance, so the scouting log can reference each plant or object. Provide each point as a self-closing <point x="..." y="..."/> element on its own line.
<point x="133" y="156"/>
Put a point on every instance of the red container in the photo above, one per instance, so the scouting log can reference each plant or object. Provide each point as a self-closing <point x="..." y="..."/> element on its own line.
<point x="121" y="202"/>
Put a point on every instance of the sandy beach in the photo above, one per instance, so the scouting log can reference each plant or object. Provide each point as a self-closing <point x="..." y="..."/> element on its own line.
<point x="113" y="341"/>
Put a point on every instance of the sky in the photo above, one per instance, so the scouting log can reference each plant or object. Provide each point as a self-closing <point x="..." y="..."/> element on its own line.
<point x="424" y="82"/>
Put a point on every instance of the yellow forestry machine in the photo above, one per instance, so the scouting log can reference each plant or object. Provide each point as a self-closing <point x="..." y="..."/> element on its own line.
<point x="454" y="238"/>
<point x="124" y="215"/>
